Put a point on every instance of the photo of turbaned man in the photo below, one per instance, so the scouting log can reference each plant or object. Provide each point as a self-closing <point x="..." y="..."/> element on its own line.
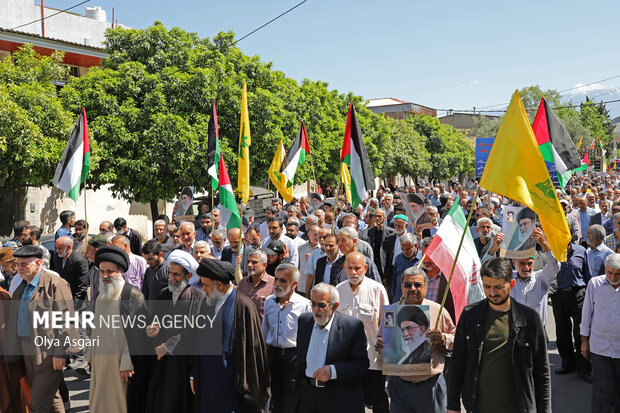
<point x="517" y="227"/>
<point x="407" y="349"/>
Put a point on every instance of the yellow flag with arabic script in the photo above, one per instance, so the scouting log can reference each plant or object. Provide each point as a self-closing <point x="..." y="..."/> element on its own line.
<point x="243" y="176"/>
<point x="580" y="142"/>
<point x="516" y="169"/>
<point x="279" y="181"/>
<point x="345" y="178"/>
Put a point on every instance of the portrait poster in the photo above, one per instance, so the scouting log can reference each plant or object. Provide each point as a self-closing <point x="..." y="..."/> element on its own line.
<point x="517" y="226"/>
<point x="407" y="351"/>
<point x="416" y="211"/>
<point x="184" y="207"/>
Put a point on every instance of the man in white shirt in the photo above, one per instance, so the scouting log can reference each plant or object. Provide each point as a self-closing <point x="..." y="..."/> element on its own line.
<point x="531" y="287"/>
<point x="363" y="298"/>
<point x="304" y="252"/>
<point x="282" y="309"/>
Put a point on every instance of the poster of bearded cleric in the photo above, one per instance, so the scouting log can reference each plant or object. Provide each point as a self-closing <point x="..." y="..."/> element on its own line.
<point x="407" y="350"/>
<point x="517" y="226"/>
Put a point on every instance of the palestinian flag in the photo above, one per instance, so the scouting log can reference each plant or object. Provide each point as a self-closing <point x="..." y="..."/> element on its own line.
<point x="603" y="153"/>
<point x="555" y="144"/>
<point x="213" y="150"/>
<point x="585" y="162"/>
<point x="355" y="156"/>
<point x="466" y="285"/>
<point x="74" y="165"/>
<point x="296" y="155"/>
<point x="229" y="213"/>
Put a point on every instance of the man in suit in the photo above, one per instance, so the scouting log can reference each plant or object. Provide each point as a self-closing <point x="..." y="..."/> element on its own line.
<point x="230" y="251"/>
<point x="43" y="368"/>
<point x="331" y="349"/>
<point x="382" y="239"/>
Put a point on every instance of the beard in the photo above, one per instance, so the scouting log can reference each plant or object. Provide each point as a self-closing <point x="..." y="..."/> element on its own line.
<point x="271" y="268"/>
<point x="109" y="290"/>
<point x="486" y="236"/>
<point x="500" y="302"/>
<point x="207" y="230"/>
<point x="178" y="288"/>
<point x="213" y="297"/>
<point x="410" y="345"/>
<point x="280" y="292"/>
<point x="355" y="279"/>
<point x="323" y="319"/>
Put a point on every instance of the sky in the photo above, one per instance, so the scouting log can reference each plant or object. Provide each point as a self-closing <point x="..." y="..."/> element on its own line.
<point x="443" y="54"/>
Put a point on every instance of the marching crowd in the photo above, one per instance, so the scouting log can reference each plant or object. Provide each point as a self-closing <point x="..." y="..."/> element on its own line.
<point x="300" y="296"/>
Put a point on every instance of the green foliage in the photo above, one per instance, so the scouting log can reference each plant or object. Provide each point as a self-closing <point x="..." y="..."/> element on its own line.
<point x="407" y="153"/>
<point x="485" y="126"/>
<point x="596" y="119"/>
<point x="34" y="126"/>
<point x="451" y="152"/>
<point x="531" y="95"/>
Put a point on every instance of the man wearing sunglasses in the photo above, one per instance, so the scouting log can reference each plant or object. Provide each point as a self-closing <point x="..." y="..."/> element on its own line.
<point x="407" y="391"/>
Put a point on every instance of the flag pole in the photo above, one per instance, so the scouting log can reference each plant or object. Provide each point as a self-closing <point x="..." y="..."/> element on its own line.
<point x="212" y="208"/>
<point x="312" y="166"/>
<point x="336" y="203"/>
<point x="458" y="251"/>
<point x="85" y="214"/>
<point x="238" y="274"/>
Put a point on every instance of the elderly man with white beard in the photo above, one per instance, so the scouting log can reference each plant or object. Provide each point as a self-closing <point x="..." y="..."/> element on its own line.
<point x="119" y="376"/>
<point x="363" y="298"/>
<point x="485" y="235"/>
<point x="282" y="309"/>
<point x="407" y="391"/>
<point x="169" y="388"/>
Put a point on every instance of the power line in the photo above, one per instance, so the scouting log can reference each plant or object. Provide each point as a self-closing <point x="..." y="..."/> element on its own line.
<point x="269" y="22"/>
<point x="51" y="15"/>
<point x="474" y="111"/>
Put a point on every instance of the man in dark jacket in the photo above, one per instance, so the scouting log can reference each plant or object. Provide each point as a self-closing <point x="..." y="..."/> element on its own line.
<point x="500" y="356"/>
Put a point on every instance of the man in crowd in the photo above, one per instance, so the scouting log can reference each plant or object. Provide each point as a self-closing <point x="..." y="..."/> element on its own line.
<point x="585" y="213"/>
<point x="331" y="366"/>
<point x="406" y="259"/>
<point x="67" y="221"/>
<point x="598" y="251"/>
<point x="43" y="367"/>
<point x="382" y="240"/>
<point x="437" y="283"/>
<point x="35" y="239"/>
<point x="304" y="253"/>
<point x="135" y="239"/>
<point x="600" y="335"/>
<point x="324" y="264"/>
<point x="106" y="226"/>
<point x="218" y="238"/>
<point x="275" y="233"/>
<point x="270" y="212"/>
<point x="238" y="378"/>
<point x="500" y="351"/>
<point x="94" y="244"/>
<point x="485" y="235"/>
<point x="257" y="285"/>
<point x="231" y="252"/>
<point x="613" y="240"/>
<point x="73" y="268"/>
<point x="407" y="391"/>
<point x="202" y="250"/>
<point x="162" y="237"/>
<point x="134" y="274"/>
<point x="156" y="275"/>
<point x="363" y="299"/>
<point x="347" y="243"/>
<point x="531" y="287"/>
<point x="187" y="236"/>
<point x="567" y="303"/>
<point x="8" y="267"/>
<point x="80" y="241"/>
<point x="206" y="226"/>
<point x="253" y="237"/>
<point x="119" y="377"/>
<point x="351" y="221"/>
<point x="292" y="231"/>
<point x="279" y="326"/>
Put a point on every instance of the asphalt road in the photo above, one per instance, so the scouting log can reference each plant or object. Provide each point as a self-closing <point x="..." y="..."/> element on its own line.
<point x="569" y="393"/>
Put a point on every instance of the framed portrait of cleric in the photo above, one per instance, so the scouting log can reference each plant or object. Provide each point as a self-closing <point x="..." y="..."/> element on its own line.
<point x="184" y="207"/>
<point x="407" y="350"/>
<point x="517" y="226"/>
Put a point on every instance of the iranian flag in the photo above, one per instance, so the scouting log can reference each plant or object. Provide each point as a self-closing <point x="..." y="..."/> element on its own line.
<point x="213" y="150"/>
<point x="74" y="165"/>
<point x="466" y="285"/>
<point x="355" y="156"/>
<point x="555" y="144"/>
<point x="229" y="213"/>
<point x="296" y="155"/>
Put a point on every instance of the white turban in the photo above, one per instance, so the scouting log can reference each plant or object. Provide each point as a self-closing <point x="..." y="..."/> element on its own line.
<point x="185" y="260"/>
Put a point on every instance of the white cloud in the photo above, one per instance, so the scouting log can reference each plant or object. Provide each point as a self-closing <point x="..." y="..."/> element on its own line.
<point x="581" y="88"/>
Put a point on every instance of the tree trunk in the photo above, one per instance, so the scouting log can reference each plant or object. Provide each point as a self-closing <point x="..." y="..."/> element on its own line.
<point x="154" y="209"/>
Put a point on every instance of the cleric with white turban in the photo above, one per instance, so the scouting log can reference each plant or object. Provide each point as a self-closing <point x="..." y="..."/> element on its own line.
<point x="185" y="260"/>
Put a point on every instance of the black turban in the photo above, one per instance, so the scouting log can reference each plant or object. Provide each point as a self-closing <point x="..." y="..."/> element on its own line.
<point x="412" y="313"/>
<point x="526" y="213"/>
<point x="114" y="255"/>
<point x="416" y="198"/>
<point x="216" y="270"/>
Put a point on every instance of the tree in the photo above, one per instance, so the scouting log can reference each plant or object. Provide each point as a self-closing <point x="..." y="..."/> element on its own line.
<point x="407" y="153"/>
<point x="596" y="119"/>
<point x="34" y="126"/>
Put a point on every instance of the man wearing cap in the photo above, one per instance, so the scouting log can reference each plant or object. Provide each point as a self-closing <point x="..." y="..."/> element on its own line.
<point x="39" y="290"/>
<point x="8" y="267"/>
<point x="169" y="389"/>
<point x="236" y="380"/>
<point x="275" y="233"/>
<point x="531" y="287"/>
<point x="119" y="376"/>
<point x="258" y="284"/>
<point x="276" y="255"/>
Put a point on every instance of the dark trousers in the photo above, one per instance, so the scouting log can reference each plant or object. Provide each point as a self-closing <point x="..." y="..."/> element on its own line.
<point x="567" y="312"/>
<point x="605" y="384"/>
<point x="284" y="389"/>
<point x="314" y="400"/>
<point x="373" y="386"/>
<point x="429" y="396"/>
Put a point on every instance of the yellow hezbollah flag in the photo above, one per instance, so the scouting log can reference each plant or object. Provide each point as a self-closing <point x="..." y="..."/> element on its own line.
<point x="345" y="178"/>
<point x="580" y="142"/>
<point x="516" y="169"/>
<point x="279" y="181"/>
<point x="243" y="177"/>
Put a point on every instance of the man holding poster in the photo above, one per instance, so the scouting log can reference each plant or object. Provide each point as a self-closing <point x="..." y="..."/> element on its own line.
<point x="407" y="390"/>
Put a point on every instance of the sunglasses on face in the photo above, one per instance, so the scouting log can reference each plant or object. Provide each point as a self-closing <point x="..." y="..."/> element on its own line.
<point x="321" y="305"/>
<point x="416" y="285"/>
